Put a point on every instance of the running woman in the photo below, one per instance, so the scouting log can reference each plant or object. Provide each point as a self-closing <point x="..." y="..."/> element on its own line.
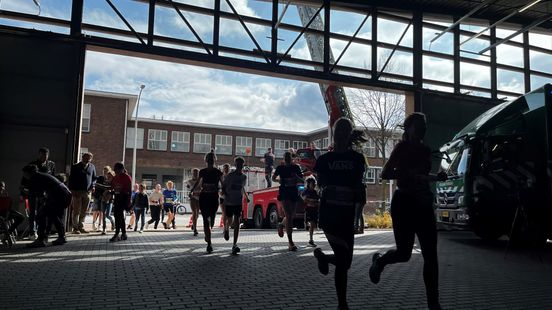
<point x="170" y="198"/>
<point x="225" y="171"/>
<point x="209" y="180"/>
<point x="312" y="200"/>
<point x="140" y="203"/>
<point x="194" y="198"/>
<point x="340" y="174"/>
<point x="233" y="188"/>
<point x="155" y="201"/>
<point x="122" y="188"/>
<point x="411" y="206"/>
<point x="289" y="175"/>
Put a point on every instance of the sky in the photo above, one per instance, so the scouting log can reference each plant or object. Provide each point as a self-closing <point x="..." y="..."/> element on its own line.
<point x="198" y="94"/>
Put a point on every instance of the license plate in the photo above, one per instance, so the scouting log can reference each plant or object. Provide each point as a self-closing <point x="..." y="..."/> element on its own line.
<point x="444" y="214"/>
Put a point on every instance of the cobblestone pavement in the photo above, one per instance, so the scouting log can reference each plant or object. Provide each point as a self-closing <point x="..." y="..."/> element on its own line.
<point x="170" y="270"/>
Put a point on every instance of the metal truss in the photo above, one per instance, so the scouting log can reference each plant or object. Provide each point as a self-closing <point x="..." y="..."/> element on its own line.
<point x="270" y="62"/>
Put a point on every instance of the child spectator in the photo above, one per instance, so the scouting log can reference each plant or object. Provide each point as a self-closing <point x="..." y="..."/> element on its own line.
<point x="311" y="198"/>
<point x="140" y="203"/>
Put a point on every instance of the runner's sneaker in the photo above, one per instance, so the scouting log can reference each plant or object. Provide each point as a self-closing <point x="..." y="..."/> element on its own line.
<point x="124" y="237"/>
<point x="235" y="250"/>
<point x="226" y="235"/>
<point x="209" y="249"/>
<point x="375" y="269"/>
<point x="311" y="243"/>
<point x="115" y="238"/>
<point x="195" y="233"/>
<point x="323" y="266"/>
<point x="34" y="236"/>
<point x="38" y="243"/>
<point x="293" y="248"/>
<point x="140" y="231"/>
<point x="281" y="230"/>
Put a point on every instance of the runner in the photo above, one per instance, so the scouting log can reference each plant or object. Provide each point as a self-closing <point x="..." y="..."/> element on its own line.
<point x="411" y="206"/>
<point x="169" y="200"/>
<point x="340" y="175"/>
<point x="122" y="187"/>
<point x="139" y="203"/>
<point x="155" y="200"/>
<point x="225" y="171"/>
<point x="194" y="198"/>
<point x="312" y="200"/>
<point x="233" y="188"/>
<point x="289" y="175"/>
<point x="209" y="180"/>
<point x="132" y="220"/>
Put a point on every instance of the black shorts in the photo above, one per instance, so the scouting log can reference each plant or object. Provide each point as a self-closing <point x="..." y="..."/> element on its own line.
<point x="311" y="215"/>
<point x="208" y="204"/>
<point x="233" y="210"/>
<point x="168" y="209"/>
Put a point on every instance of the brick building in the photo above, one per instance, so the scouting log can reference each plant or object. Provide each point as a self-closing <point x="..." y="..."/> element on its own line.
<point x="168" y="150"/>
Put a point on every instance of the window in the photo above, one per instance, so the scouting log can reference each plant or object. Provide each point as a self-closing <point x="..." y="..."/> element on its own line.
<point x="299" y="145"/>
<point x="244" y="145"/>
<point x="150" y="180"/>
<point x="388" y="148"/>
<point x="157" y="140"/>
<point x="180" y="141"/>
<point x="202" y="142"/>
<point x="261" y="146"/>
<point x="223" y="144"/>
<point x="280" y="147"/>
<point x="86" y="117"/>
<point x="318" y="143"/>
<point x="370" y="176"/>
<point x="325" y="143"/>
<point x="370" y="148"/>
<point x="139" y="138"/>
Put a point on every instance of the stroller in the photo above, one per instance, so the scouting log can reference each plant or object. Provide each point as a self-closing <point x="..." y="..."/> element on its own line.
<point x="5" y="222"/>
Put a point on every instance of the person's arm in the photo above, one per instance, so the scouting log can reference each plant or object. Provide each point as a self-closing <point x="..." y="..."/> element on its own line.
<point x="195" y="185"/>
<point x="389" y="171"/>
<point x="53" y="168"/>
<point x="276" y="174"/>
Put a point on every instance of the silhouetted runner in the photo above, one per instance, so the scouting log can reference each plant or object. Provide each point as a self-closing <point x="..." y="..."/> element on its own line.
<point x="339" y="176"/>
<point x="411" y="206"/>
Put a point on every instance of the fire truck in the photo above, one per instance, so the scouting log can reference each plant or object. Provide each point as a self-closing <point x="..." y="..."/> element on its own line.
<point x="263" y="209"/>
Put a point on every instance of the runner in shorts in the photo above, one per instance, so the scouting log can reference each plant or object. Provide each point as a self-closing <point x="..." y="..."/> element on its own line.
<point x="209" y="180"/>
<point x="289" y="175"/>
<point x="225" y="171"/>
<point x="194" y="198"/>
<point x="311" y="199"/>
<point x="233" y="188"/>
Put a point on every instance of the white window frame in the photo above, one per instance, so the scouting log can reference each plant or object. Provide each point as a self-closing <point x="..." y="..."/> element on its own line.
<point x="159" y="140"/>
<point x="83" y="150"/>
<point x="86" y="117"/>
<point x="370" y="148"/>
<point x="261" y="146"/>
<point x="297" y="145"/>
<point x="388" y="148"/>
<point x="130" y="138"/>
<point x="280" y="147"/>
<point x="202" y="142"/>
<point x="325" y="143"/>
<point x="223" y="144"/>
<point x="180" y="141"/>
<point x="242" y="143"/>
<point x="317" y="143"/>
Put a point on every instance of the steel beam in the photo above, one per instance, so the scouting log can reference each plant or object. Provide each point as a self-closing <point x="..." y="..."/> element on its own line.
<point x="216" y="28"/>
<point x="151" y="22"/>
<point x="374" y="54"/>
<point x="327" y="47"/>
<point x="76" y="18"/>
<point x="461" y="19"/>
<point x="526" y="62"/>
<point x="494" y="73"/>
<point x="350" y="41"/>
<point x="394" y="49"/>
<point x="198" y="38"/>
<point x="114" y="8"/>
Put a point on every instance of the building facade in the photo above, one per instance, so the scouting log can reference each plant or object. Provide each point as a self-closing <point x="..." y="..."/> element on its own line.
<point x="169" y="150"/>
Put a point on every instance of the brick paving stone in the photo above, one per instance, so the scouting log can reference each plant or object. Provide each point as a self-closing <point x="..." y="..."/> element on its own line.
<point x="170" y="270"/>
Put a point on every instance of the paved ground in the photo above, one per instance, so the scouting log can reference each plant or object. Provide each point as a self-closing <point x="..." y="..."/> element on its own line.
<point x="170" y="270"/>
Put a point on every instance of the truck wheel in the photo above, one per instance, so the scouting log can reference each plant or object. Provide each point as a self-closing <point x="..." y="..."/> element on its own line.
<point x="258" y="218"/>
<point x="272" y="218"/>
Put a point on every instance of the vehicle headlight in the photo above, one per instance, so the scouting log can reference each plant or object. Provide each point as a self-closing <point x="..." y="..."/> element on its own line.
<point x="460" y="200"/>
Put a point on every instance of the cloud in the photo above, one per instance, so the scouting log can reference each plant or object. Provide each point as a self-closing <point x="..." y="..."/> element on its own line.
<point x="197" y="94"/>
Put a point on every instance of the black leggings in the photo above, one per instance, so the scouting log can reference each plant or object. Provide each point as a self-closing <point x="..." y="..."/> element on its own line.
<point x="121" y="202"/>
<point x="155" y="215"/>
<point x="208" y="204"/>
<point x="413" y="216"/>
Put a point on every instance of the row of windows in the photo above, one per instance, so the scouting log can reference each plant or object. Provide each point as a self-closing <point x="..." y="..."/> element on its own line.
<point x="202" y="143"/>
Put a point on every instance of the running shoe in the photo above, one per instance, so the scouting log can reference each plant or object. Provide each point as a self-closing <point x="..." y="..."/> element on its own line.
<point x="123" y="237"/>
<point x="38" y="243"/>
<point x="281" y="230"/>
<point x="115" y="238"/>
<point x="235" y="250"/>
<point x="103" y="232"/>
<point x="195" y="233"/>
<point x="323" y="266"/>
<point x="311" y="243"/>
<point x="293" y="248"/>
<point x="140" y="231"/>
<point x="375" y="269"/>
<point x="226" y="235"/>
<point x="209" y="249"/>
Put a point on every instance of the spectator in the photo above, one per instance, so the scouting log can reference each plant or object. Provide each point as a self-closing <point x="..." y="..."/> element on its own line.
<point x="35" y="200"/>
<point x="57" y="200"/>
<point x="268" y="161"/>
<point x="122" y="188"/>
<point x="104" y="195"/>
<point x="81" y="183"/>
<point x="13" y="215"/>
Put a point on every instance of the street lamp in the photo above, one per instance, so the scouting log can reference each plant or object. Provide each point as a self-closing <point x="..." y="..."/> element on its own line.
<point x="136" y="136"/>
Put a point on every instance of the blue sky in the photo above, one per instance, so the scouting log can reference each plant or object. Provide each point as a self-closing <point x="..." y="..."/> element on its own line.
<point x="190" y="93"/>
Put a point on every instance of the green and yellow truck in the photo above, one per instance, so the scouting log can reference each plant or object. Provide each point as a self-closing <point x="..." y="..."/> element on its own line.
<point x="499" y="169"/>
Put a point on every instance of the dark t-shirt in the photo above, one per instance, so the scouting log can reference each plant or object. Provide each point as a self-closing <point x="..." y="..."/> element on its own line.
<point x="311" y="198"/>
<point x="412" y="159"/>
<point x="341" y="169"/>
<point x="289" y="176"/>
<point x="269" y="160"/>
<point x="45" y="183"/>
<point x="210" y="178"/>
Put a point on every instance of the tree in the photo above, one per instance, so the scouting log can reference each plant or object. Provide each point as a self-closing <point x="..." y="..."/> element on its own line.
<point x="378" y="113"/>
